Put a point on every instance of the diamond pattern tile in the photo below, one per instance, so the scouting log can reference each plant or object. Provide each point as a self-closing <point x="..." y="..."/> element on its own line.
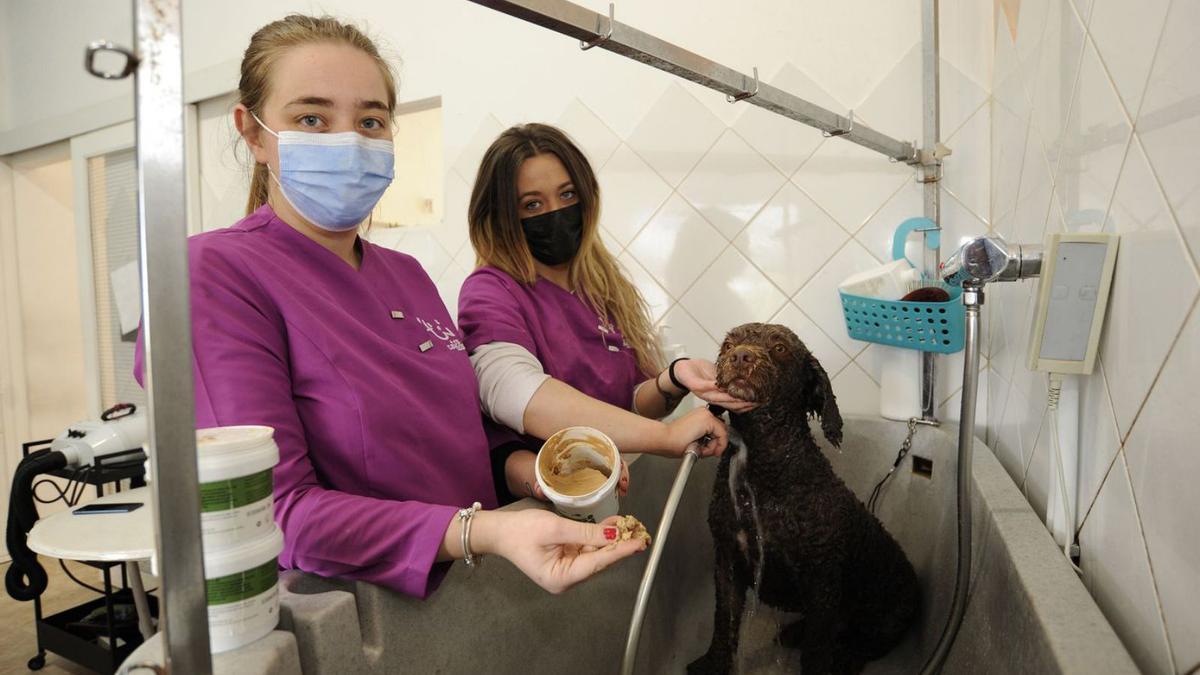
<point x="679" y="328"/>
<point x="1140" y="328"/>
<point x="453" y="232"/>
<point x="1116" y="570"/>
<point x="1033" y="195"/>
<point x="730" y="184"/>
<point x="1051" y="88"/>
<point x="677" y="245"/>
<point x="1126" y="35"/>
<point x="894" y="107"/>
<point x="449" y="285"/>
<point x="967" y="170"/>
<point x="819" y="298"/>
<point x="951" y="409"/>
<point x="467" y="163"/>
<point x="1163" y="465"/>
<point x="732" y="292"/>
<point x="849" y="181"/>
<point x="856" y="392"/>
<point x="675" y="133"/>
<point x="1098" y="441"/>
<point x="630" y="192"/>
<point x="589" y="132"/>
<point x="422" y="245"/>
<point x="1008" y="156"/>
<point x="1091" y="159"/>
<point x="876" y="235"/>
<point x="1038" y="459"/>
<point x="832" y="358"/>
<point x="791" y="238"/>
<point x="997" y="397"/>
<point x="1169" y="122"/>
<point x="658" y="301"/>
<point x="785" y="142"/>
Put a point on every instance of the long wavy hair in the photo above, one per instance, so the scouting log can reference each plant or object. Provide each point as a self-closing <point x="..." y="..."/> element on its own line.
<point x="268" y="44"/>
<point x="496" y="234"/>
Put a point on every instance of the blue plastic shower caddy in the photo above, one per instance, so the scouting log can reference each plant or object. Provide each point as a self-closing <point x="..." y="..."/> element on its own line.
<point x="924" y="326"/>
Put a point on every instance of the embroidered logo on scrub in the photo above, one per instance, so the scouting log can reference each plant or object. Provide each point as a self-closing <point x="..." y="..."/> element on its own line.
<point x="607" y="329"/>
<point x="447" y="335"/>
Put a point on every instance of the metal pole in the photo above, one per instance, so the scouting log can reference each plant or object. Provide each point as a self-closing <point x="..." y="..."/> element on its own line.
<point x="166" y="325"/>
<point x="931" y="174"/>
<point x="660" y="543"/>
<point x="599" y="30"/>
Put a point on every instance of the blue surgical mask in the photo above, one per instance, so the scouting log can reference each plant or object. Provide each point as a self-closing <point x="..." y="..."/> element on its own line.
<point x="333" y="180"/>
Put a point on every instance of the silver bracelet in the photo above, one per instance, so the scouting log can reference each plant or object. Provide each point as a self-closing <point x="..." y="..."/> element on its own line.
<point x="466" y="516"/>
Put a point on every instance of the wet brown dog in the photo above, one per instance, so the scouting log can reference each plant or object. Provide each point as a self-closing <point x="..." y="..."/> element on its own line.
<point x="822" y="553"/>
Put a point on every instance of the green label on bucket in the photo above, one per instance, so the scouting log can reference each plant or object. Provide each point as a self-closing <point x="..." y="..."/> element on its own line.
<point x="222" y="495"/>
<point x="241" y="585"/>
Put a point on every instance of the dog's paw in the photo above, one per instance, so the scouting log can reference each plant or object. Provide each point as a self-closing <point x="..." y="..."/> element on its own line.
<point x="710" y="665"/>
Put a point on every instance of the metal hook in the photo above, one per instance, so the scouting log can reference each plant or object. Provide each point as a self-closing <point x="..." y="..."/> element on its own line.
<point x="89" y="60"/>
<point x="600" y="38"/>
<point x="745" y="94"/>
<point x="841" y="132"/>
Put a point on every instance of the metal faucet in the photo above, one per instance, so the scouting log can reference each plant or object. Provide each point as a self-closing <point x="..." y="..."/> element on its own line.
<point x="989" y="258"/>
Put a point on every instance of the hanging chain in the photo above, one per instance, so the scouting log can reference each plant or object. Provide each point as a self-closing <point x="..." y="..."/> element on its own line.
<point x="905" y="447"/>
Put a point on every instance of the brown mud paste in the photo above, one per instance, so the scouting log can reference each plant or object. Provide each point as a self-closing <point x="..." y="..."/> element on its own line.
<point x="575" y="475"/>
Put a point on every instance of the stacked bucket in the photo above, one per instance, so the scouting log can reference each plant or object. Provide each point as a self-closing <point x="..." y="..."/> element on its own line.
<point x="241" y="542"/>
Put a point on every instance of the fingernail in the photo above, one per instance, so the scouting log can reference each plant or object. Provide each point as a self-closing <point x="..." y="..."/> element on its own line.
<point x="610" y="533"/>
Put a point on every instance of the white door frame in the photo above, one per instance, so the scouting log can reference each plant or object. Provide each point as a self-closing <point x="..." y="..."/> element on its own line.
<point x="84" y="147"/>
<point x="14" y="406"/>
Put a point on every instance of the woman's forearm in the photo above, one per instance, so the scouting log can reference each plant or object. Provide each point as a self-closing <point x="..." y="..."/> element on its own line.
<point x="556" y="405"/>
<point x="649" y="400"/>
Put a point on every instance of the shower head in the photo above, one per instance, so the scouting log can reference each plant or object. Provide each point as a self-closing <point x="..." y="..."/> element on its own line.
<point x="989" y="258"/>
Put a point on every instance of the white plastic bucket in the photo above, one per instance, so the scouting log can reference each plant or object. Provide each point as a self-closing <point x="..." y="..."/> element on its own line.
<point x="596" y="505"/>
<point x="236" y="495"/>
<point x="242" y="584"/>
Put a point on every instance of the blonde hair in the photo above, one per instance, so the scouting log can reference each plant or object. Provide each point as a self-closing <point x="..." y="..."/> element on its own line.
<point x="499" y="241"/>
<point x="268" y="44"/>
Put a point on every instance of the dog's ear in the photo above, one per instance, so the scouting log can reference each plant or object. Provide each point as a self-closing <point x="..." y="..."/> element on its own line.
<point x="820" y="401"/>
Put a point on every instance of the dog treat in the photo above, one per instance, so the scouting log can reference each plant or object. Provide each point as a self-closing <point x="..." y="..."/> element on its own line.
<point x="631" y="528"/>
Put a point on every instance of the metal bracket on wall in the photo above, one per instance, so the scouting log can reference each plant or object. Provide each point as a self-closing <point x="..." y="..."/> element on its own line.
<point x="841" y="132"/>
<point x="601" y="37"/>
<point x="585" y="25"/>
<point x="748" y="93"/>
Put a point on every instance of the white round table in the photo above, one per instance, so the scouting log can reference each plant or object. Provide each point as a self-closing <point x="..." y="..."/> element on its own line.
<point x="104" y="537"/>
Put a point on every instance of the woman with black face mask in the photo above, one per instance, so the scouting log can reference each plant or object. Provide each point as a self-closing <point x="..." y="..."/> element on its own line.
<point x="557" y="334"/>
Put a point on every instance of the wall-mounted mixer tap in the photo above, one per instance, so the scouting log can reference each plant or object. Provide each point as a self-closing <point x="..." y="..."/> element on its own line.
<point x="989" y="258"/>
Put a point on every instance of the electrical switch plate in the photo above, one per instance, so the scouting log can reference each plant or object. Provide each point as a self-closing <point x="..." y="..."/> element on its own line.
<point x="1077" y="271"/>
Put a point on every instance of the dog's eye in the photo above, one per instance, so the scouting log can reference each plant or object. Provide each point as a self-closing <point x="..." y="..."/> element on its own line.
<point x="779" y="348"/>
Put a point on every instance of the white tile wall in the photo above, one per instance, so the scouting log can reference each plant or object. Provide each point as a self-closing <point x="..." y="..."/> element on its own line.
<point x="1100" y="153"/>
<point x="723" y="214"/>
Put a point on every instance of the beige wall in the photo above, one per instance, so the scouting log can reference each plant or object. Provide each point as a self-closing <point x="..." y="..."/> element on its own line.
<point x="48" y="290"/>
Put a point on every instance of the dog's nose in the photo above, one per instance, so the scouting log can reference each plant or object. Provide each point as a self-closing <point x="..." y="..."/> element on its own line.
<point x="742" y="355"/>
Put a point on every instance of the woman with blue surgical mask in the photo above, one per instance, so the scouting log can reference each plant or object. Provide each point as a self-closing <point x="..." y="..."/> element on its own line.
<point x="345" y="348"/>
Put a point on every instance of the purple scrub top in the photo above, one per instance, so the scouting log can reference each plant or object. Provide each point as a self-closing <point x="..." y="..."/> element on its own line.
<point x="558" y="327"/>
<point x="367" y="383"/>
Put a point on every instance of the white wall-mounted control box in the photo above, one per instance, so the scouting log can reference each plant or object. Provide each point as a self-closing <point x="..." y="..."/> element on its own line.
<point x="1077" y="272"/>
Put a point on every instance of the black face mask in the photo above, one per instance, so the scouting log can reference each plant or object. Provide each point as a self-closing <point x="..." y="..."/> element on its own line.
<point x="554" y="237"/>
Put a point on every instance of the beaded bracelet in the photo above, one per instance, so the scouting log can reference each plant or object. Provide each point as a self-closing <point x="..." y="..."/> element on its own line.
<point x="466" y="515"/>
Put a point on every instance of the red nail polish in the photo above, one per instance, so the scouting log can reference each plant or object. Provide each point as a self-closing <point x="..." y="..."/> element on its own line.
<point x="610" y="533"/>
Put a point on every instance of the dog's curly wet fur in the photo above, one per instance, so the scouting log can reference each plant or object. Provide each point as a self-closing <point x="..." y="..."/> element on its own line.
<point x="823" y="554"/>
